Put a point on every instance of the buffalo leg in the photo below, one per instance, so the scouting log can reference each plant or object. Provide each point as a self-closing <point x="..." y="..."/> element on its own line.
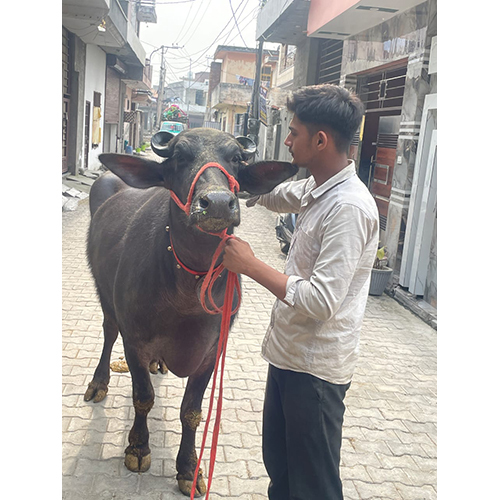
<point x="187" y="458"/>
<point x="138" y="453"/>
<point x="98" y="388"/>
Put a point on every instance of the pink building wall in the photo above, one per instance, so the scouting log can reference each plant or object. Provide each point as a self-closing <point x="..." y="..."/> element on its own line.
<point x="323" y="11"/>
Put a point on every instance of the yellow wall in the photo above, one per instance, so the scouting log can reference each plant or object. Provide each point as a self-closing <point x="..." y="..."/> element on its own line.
<point x="237" y="63"/>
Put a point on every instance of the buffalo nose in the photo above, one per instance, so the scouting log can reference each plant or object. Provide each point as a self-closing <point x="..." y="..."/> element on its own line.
<point x="217" y="203"/>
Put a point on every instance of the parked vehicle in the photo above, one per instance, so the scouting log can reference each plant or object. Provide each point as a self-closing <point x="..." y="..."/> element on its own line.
<point x="285" y="226"/>
<point x="173" y="127"/>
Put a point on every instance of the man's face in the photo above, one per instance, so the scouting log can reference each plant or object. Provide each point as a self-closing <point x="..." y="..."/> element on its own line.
<point x="300" y="143"/>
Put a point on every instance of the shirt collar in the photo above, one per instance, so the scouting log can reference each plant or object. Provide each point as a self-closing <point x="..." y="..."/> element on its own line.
<point x="339" y="177"/>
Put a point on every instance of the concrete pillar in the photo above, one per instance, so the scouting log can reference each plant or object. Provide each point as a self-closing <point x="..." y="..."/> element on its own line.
<point x="417" y="86"/>
<point x="306" y="63"/>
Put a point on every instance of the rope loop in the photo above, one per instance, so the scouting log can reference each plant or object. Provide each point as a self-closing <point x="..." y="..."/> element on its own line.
<point x="186" y="208"/>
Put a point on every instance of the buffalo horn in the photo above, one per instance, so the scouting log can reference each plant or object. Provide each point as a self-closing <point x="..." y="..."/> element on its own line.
<point x="159" y="143"/>
<point x="248" y="145"/>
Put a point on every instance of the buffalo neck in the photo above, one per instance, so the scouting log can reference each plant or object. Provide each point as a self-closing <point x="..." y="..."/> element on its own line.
<point x="194" y="248"/>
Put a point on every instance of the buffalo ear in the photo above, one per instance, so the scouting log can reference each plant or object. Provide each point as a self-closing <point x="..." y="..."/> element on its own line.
<point x="262" y="177"/>
<point x="135" y="171"/>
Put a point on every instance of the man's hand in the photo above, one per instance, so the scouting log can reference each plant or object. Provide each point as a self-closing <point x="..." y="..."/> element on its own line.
<point x="238" y="256"/>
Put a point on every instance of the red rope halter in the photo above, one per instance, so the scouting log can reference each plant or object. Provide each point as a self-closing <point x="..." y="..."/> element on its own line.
<point x="206" y="291"/>
<point x="233" y="186"/>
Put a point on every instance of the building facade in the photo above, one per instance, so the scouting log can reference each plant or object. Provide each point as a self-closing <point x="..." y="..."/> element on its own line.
<point x="231" y="83"/>
<point x="387" y="54"/>
<point x="190" y="94"/>
<point x="104" y="68"/>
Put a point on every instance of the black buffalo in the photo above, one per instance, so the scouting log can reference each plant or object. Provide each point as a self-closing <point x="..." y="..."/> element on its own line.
<point x="144" y="293"/>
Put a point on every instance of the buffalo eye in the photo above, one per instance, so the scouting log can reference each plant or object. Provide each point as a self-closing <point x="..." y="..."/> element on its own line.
<point x="181" y="159"/>
<point x="237" y="158"/>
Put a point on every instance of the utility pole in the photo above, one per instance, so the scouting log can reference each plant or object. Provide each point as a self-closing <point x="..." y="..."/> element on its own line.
<point x="161" y="86"/>
<point x="187" y="91"/>
<point x="253" y="120"/>
<point x="256" y="88"/>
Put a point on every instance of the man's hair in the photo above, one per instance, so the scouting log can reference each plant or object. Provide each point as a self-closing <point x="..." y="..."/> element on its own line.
<point x="328" y="105"/>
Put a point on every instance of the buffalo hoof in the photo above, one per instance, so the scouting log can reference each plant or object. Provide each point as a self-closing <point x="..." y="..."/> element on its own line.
<point x="158" y="365"/>
<point x="137" y="464"/>
<point x="96" y="391"/>
<point x="185" y="485"/>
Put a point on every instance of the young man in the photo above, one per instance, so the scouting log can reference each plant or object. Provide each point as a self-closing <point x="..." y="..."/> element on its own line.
<point x="312" y="341"/>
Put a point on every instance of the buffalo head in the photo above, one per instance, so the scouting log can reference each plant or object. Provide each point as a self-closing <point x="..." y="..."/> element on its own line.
<point x="213" y="203"/>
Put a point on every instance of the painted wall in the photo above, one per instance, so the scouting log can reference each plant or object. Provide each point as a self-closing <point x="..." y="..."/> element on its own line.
<point x="95" y="80"/>
<point x="238" y="63"/>
<point x="402" y="36"/>
<point x="323" y="11"/>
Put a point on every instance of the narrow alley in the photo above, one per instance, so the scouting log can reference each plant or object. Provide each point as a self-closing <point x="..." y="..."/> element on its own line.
<point x="389" y="443"/>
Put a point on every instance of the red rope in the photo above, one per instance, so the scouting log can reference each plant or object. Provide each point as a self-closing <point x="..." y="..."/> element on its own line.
<point x="232" y="282"/>
<point x="206" y="292"/>
<point x="233" y="186"/>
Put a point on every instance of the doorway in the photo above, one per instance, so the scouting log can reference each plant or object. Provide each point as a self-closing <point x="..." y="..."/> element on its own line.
<point x="382" y="166"/>
<point x="87" y="135"/>
<point x="381" y="91"/>
<point x="66" y="96"/>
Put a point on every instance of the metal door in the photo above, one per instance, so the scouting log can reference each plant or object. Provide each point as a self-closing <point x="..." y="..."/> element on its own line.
<point x="382" y="167"/>
<point x="382" y="91"/>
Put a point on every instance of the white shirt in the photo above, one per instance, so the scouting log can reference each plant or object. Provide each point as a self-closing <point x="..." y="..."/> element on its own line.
<point x="316" y="328"/>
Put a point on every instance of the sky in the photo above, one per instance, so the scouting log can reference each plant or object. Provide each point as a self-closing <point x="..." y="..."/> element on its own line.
<point x="198" y="27"/>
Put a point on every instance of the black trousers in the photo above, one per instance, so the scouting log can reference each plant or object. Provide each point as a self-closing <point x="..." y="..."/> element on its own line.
<point x="302" y="436"/>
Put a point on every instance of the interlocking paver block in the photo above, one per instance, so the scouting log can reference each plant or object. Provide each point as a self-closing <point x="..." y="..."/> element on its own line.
<point x="389" y="445"/>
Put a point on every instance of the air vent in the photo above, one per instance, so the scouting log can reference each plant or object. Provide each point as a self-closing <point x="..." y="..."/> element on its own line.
<point x="387" y="141"/>
<point x="383" y="222"/>
<point x="377" y="9"/>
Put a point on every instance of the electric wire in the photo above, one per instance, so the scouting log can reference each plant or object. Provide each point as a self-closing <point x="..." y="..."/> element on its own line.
<point x="220" y="35"/>
<point x="192" y="22"/>
<point x="236" y="22"/>
<point x="185" y="21"/>
<point x="183" y="53"/>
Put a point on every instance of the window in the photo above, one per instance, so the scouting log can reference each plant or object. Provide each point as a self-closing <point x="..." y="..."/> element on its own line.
<point x="287" y="56"/>
<point x="199" y="98"/>
<point x="266" y="76"/>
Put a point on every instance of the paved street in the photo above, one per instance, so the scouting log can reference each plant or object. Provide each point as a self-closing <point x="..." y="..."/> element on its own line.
<point x="389" y="446"/>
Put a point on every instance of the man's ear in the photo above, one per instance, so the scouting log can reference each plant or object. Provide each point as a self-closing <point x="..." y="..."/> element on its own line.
<point x="322" y="140"/>
<point x="262" y="177"/>
<point x="136" y="171"/>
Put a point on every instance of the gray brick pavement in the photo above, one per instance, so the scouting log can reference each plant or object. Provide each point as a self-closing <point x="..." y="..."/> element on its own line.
<point x="389" y="445"/>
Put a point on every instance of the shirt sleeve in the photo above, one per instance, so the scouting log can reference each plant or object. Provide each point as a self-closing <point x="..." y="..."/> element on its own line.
<point x="345" y="235"/>
<point x="285" y="197"/>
